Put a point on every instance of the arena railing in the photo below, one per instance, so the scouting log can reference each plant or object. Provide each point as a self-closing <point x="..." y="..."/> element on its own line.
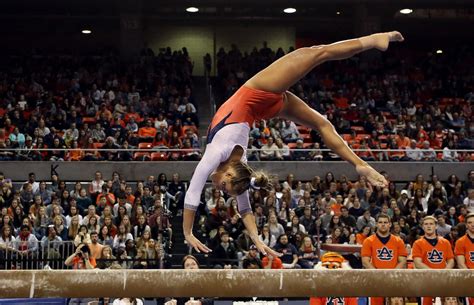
<point x="53" y="254"/>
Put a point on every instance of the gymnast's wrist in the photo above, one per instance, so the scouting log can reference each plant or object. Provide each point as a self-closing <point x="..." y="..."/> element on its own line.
<point x="361" y="163"/>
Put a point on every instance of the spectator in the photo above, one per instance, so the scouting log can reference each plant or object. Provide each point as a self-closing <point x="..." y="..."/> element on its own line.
<point x="81" y="258"/>
<point x="82" y="237"/>
<point x="428" y="153"/>
<point x="251" y="259"/>
<point x="225" y="254"/>
<point x="469" y="200"/>
<point x="432" y="252"/>
<point x="449" y="153"/>
<point x="307" y="255"/>
<point x="365" y="220"/>
<point x="269" y="151"/>
<point x="413" y="153"/>
<point x="27" y="243"/>
<point x="290" y="254"/>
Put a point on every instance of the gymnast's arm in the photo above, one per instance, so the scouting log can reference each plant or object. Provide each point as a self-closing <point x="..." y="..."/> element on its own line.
<point x="209" y="162"/>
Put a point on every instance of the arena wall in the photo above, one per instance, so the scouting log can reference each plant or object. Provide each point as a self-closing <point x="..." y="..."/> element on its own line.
<point x="133" y="171"/>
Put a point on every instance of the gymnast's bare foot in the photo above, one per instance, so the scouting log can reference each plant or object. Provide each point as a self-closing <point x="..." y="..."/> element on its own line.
<point x="373" y="177"/>
<point x="381" y="40"/>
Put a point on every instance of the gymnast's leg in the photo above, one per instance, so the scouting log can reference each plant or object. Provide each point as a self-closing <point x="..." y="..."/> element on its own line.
<point x="289" y="69"/>
<point x="298" y="111"/>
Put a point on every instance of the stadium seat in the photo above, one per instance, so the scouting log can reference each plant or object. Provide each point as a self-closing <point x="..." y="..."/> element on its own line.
<point x="193" y="128"/>
<point x="98" y="145"/>
<point x="303" y="129"/>
<point x="362" y="136"/>
<point x="141" y="156"/>
<point x="159" y="156"/>
<point x="306" y="137"/>
<point x="358" y="129"/>
<point x="145" y="145"/>
<point x="88" y="120"/>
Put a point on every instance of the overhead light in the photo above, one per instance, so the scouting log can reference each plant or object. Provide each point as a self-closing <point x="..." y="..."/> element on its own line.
<point x="289" y="10"/>
<point x="439" y="51"/>
<point x="338" y="13"/>
<point x="406" y="11"/>
<point x="192" y="9"/>
<point x="87" y="32"/>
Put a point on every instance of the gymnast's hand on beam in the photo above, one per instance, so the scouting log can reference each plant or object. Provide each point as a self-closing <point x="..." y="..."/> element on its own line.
<point x="373" y="177"/>
<point x="266" y="250"/>
<point x="196" y="244"/>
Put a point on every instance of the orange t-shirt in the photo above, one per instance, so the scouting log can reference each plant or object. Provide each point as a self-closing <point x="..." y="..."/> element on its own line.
<point x="465" y="247"/>
<point x="147" y="132"/>
<point x="76" y="154"/>
<point x="332" y="301"/>
<point x="78" y="263"/>
<point x="435" y="256"/>
<point x="384" y="252"/>
<point x="336" y="208"/>
<point x="403" y="143"/>
<point x="360" y="238"/>
<point x="276" y="263"/>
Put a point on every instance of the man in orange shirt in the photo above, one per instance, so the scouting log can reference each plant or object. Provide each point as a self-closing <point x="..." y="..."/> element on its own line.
<point x="383" y="250"/>
<point x="336" y="207"/>
<point x="402" y="141"/>
<point x="147" y="132"/>
<point x="432" y="251"/>
<point x="464" y="249"/>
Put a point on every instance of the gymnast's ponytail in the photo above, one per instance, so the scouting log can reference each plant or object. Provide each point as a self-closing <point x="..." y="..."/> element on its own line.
<point x="247" y="178"/>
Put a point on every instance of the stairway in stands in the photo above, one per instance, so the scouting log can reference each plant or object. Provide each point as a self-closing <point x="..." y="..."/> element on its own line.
<point x="205" y="113"/>
<point x="179" y="249"/>
<point x="203" y="103"/>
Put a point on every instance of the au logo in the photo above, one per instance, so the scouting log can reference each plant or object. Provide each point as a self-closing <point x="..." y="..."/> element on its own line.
<point x="435" y="256"/>
<point x="471" y="256"/>
<point x="335" y="301"/>
<point x="384" y="254"/>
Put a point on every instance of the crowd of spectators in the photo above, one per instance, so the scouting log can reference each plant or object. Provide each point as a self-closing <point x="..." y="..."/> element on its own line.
<point x="117" y="221"/>
<point x="83" y="103"/>
<point x="400" y="102"/>
<point x="114" y="221"/>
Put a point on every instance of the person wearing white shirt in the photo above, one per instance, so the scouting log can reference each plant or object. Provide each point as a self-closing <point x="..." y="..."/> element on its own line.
<point x="469" y="201"/>
<point x="413" y="153"/>
<point x="449" y="154"/>
<point x="270" y="151"/>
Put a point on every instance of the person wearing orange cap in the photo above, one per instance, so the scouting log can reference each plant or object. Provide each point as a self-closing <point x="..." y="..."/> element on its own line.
<point x="332" y="260"/>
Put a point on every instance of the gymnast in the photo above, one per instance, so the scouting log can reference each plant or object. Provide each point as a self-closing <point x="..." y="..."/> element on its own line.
<point x="265" y="96"/>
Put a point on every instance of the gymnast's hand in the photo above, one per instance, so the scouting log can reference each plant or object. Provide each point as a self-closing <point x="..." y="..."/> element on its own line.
<point x="266" y="250"/>
<point x="196" y="244"/>
<point x="373" y="177"/>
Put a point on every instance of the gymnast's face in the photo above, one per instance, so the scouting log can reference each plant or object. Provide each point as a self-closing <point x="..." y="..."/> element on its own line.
<point x="190" y="264"/>
<point x="222" y="180"/>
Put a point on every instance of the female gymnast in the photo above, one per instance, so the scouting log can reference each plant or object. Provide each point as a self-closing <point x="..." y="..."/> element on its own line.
<point x="265" y="96"/>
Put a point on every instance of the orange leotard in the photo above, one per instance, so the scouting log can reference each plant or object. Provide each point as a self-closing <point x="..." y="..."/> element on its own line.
<point x="247" y="105"/>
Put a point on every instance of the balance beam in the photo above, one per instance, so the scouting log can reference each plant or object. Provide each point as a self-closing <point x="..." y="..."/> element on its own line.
<point x="234" y="283"/>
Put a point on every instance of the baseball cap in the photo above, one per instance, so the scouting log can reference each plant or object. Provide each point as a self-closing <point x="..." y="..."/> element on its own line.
<point x="253" y="247"/>
<point x="404" y="192"/>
